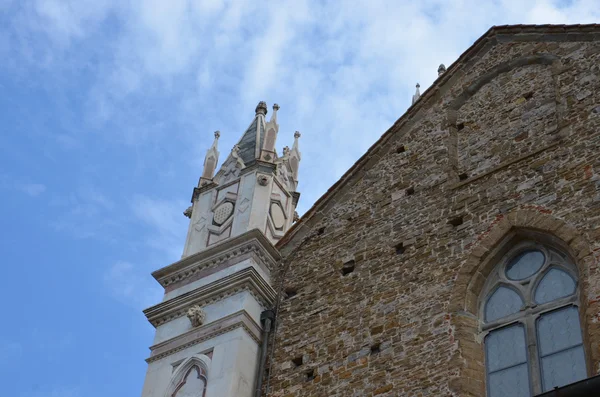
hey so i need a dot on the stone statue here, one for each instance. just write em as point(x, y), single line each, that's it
point(235, 153)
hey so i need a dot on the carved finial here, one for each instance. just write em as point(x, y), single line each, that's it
point(261, 108)
point(211, 160)
point(274, 115)
point(286, 151)
point(415, 97)
point(296, 217)
point(441, 69)
point(294, 157)
point(196, 315)
point(296, 136)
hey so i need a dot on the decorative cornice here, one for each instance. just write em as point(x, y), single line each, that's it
point(252, 241)
point(247, 279)
point(198, 335)
point(199, 190)
point(295, 198)
point(261, 166)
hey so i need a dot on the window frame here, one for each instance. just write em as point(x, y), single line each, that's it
point(530, 311)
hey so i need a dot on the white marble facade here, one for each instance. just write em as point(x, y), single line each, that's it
point(208, 328)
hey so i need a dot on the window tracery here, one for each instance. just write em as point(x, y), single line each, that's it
point(530, 322)
point(190, 378)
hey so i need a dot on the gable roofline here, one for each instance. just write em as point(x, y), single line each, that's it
point(494, 35)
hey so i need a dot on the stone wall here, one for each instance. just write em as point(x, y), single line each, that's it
point(387, 269)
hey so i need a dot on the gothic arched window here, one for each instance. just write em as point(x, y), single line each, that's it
point(530, 318)
point(190, 378)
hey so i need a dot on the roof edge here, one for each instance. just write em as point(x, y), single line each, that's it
point(488, 37)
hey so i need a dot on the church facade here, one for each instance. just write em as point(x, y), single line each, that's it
point(460, 256)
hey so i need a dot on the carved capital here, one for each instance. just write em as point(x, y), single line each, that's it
point(196, 315)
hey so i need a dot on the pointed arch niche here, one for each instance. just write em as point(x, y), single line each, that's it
point(190, 378)
point(478, 283)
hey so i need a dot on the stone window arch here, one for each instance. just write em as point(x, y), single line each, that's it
point(530, 322)
point(190, 379)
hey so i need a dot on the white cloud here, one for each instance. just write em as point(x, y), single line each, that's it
point(66, 20)
point(342, 72)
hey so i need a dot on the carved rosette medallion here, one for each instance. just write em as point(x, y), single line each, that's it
point(222, 213)
point(196, 315)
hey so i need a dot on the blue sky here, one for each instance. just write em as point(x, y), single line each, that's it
point(107, 108)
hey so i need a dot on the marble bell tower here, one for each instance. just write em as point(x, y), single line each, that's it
point(209, 328)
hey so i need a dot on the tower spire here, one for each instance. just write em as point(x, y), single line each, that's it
point(272, 128)
point(214, 295)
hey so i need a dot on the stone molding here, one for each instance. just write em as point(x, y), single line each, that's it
point(240, 319)
point(199, 190)
point(247, 279)
point(295, 198)
point(477, 265)
point(252, 241)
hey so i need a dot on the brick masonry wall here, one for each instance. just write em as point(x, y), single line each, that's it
point(509, 140)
